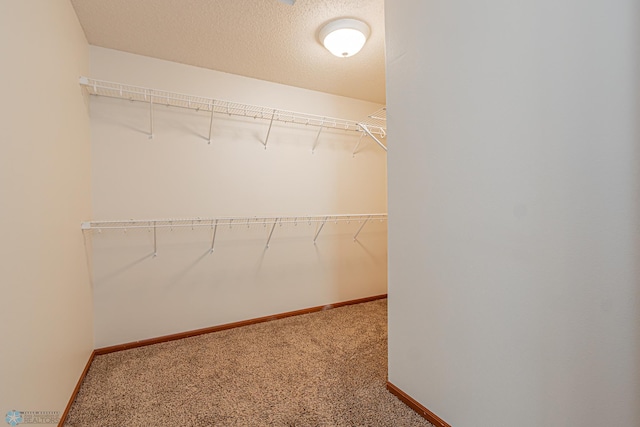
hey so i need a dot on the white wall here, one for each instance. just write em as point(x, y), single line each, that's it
point(514, 229)
point(46, 315)
point(177, 174)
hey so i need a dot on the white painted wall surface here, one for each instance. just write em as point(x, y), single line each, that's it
point(46, 315)
point(514, 229)
point(177, 174)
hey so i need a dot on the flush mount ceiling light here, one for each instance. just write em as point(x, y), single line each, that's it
point(344, 37)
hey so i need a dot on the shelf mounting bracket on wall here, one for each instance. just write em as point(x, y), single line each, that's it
point(320, 229)
point(374, 126)
point(155, 240)
point(315, 143)
point(213, 239)
point(366, 130)
point(357, 145)
point(355, 237)
point(271, 232)
point(210, 122)
point(150, 116)
point(266, 139)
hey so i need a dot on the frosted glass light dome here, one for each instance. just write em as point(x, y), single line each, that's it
point(344, 37)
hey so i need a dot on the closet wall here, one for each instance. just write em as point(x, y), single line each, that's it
point(46, 315)
point(177, 174)
point(521, 285)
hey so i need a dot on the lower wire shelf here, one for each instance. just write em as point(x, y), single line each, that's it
point(215, 222)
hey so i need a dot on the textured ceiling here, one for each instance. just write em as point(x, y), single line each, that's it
point(263, 39)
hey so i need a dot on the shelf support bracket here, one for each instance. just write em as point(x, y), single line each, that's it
point(273, 227)
point(210, 124)
point(155, 245)
point(320, 229)
point(213, 239)
point(266, 139)
point(315, 144)
point(355, 237)
point(358, 144)
point(150, 116)
point(368, 132)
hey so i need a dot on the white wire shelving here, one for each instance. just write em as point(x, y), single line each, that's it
point(214, 222)
point(373, 128)
point(370, 126)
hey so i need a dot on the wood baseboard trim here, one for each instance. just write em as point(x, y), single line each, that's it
point(416, 406)
point(74, 394)
point(181, 335)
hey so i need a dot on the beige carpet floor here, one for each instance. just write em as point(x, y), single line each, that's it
point(322, 369)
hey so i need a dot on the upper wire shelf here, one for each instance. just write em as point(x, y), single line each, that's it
point(215, 106)
point(377, 119)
